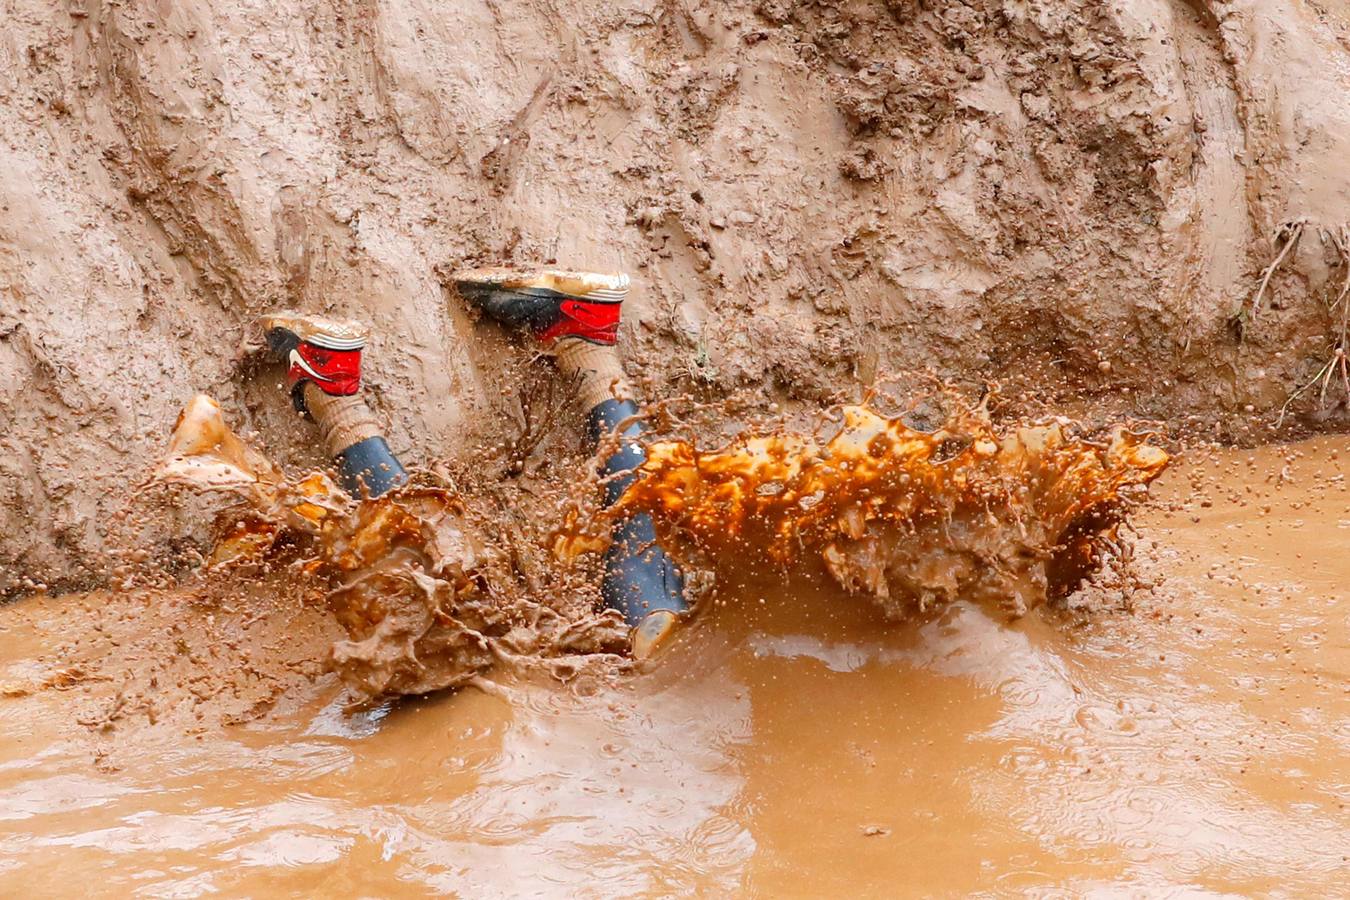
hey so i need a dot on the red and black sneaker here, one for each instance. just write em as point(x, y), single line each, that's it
point(552, 303)
point(324, 351)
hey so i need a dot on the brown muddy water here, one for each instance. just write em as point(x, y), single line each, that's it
point(1198, 744)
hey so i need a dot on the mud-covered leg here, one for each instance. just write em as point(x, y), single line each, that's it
point(324, 376)
point(641, 581)
point(576, 314)
point(353, 438)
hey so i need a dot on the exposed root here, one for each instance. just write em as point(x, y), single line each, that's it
point(542, 405)
point(500, 163)
point(1339, 307)
point(1289, 233)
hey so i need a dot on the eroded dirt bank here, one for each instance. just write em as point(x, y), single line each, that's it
point(1188, 736)
point(1073, 197)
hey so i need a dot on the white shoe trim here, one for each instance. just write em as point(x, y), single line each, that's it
point(328, 342)
point(297, 360)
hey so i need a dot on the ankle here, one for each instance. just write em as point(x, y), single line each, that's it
point(343, 421)
point(596, 369)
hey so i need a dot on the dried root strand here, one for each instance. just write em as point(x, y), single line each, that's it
point(1289, 233)
point(1336, 366)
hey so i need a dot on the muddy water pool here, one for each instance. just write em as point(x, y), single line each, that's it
point(789, 745)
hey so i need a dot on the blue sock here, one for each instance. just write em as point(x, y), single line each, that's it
point(370, 462)
point(639, 576)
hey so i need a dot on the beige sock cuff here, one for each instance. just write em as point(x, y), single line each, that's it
point(342, 420)
point(597, 369)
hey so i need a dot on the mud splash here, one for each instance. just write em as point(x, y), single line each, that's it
point(426, 601)
point(911, 519)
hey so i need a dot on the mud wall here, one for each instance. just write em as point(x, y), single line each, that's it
point(1073, 198)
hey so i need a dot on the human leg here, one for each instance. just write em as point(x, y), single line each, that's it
point(576, 314)
point(640, 579)
point(324, 377)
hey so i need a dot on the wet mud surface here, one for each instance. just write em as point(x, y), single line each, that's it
point(1115, 209)
point(427, 597)
point(1186, 732)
